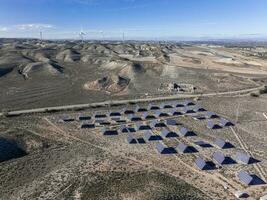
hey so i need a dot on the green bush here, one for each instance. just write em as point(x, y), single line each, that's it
point(254, 94)
point(263, 90)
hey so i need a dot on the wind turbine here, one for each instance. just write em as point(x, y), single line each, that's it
point(103, 35)
point(82, 34)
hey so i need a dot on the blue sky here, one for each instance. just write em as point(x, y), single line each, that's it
point(149, 19)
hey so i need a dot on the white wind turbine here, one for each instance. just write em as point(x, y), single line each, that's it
point(82, 34)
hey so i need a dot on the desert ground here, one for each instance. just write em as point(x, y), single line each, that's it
point(44, 157)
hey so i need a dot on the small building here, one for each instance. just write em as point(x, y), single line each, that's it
point(183, 148)
point(225, 123)
point(184, 132)
point(131, 140)
point(157, 124)
point(159, 113)
point(241, 194)
point(220, 143)
point(127, 111)
point(174, 112)
point(199, 108)
point(142, 127)
point(140, 109)
point(84, 118)
point(244, 158)
point(221, 159)
point(187, 110)
point(171, 122)
point(147, 116)
point(167, 134)
point(203, 144)
point(210, 115)
point(188, 103)
point(201, 164)
point(163, 149)
point(165, 106)
point(149, 136)
point(109, 132)
point(153, 107)
point(115, 114)
point(134, 118)
point(212, 125)
point(87, 126)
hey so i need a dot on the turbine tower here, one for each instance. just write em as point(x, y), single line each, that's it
point(41, 35)
point(123, 36)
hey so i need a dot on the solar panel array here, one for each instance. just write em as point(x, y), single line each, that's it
point(161, 117)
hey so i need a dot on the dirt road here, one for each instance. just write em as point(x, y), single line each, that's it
point(106, 103)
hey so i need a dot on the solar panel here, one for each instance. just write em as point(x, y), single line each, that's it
point(142, 127)
point(244, 177)
point(225, 123)
point(184, 132)
point(148, 116)
point(163, 149)
point(153, 107)
point(222, 144)
point(212, 125)
point(84, 118)
point(108, 132)
point(149, 136)
point(243, 158)
point(174, 112)
point(168, 134)
point(157, 124)
point(131, 140)
point(210, 115)
point(171, 122)
point(85, 126)
point(159, 113)
point(140, 109)
point(183, 148)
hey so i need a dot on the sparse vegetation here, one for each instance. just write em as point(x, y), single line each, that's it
point(254, 94)
point(263, 90)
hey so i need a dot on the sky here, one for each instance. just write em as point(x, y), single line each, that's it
point(137, 19)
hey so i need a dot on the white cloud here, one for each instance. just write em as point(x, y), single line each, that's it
point(37, 26)
point(3, 29)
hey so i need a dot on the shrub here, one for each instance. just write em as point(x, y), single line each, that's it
point(254, 94)
point(263, 90)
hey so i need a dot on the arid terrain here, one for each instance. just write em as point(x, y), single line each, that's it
point(40, 74)
point(44, 157)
